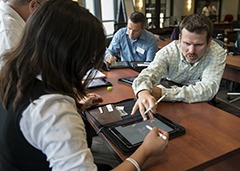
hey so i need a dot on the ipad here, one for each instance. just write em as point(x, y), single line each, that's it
point(98, 82)
point(141, 64)
point(134, 134)
point(127, 80)
point(120, 64)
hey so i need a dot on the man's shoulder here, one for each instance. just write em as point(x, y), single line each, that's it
point(9, 16)
point(172, 44)
point(148, 33)
point(216, 45)
point(172, 48)
point(121, 31)
point(215, 50)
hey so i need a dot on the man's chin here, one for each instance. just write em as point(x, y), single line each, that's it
point(192, 60)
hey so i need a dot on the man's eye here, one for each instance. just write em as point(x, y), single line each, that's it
point(199, 45)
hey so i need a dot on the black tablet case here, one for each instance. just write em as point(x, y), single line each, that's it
point(127, 80)
point(129, 64)
point(165, 82)
point(107, 120)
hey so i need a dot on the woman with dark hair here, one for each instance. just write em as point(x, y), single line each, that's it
point(42, 92)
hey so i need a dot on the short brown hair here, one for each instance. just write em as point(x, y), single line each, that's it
point(138, 17)
point(197, 23)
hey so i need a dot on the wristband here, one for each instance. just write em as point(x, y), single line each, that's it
point(131, 160)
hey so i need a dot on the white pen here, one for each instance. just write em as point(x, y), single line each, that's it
point(160, 134)
point(160, 99)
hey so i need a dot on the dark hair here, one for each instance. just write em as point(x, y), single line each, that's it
point(138, 17)
point(61, 42)
point(197, 23)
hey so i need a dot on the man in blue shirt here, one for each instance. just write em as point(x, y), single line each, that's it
point(132, 43)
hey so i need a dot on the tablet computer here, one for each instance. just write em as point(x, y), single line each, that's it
point(120, 64)
point(132, 135)
point(127, 80)
point(98, 82)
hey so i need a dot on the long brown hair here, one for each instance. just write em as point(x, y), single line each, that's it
point(61, 42)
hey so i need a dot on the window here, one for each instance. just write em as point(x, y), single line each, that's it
point(89, 4)
point(108, 19)
point(104, 10)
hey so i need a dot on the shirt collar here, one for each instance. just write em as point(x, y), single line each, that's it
point(6, 9)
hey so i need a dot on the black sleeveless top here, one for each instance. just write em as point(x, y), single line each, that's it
point(15, 152)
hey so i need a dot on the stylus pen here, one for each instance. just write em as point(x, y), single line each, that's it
point(160, 99)
point(160, 134)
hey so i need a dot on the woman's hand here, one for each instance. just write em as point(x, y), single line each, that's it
point(90, 100)
point(153, 144)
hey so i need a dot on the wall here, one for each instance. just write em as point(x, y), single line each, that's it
point(230, 7)
point(178, 9)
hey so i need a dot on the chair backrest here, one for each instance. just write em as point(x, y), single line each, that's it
point(175, 34)
point(228, 18)
point(108, 41)
point(117, 26)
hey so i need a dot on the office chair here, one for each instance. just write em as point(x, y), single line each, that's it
point(228, 18)
point(175, 34)
point(117, 26)
point(108, 40)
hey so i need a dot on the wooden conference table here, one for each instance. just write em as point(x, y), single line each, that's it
point(212, 135)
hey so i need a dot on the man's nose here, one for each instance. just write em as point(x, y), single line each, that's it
point(130, 32)
point(191, 49)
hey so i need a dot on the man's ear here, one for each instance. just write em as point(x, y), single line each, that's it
point(209, 41)
point(32, 5)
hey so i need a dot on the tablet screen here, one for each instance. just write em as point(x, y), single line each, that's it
point(98, 82)
point(136, 133)
point(120, 64)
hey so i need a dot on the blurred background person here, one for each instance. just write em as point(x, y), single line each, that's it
point(132, 43)
point(209, 10)
point(13, 15)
